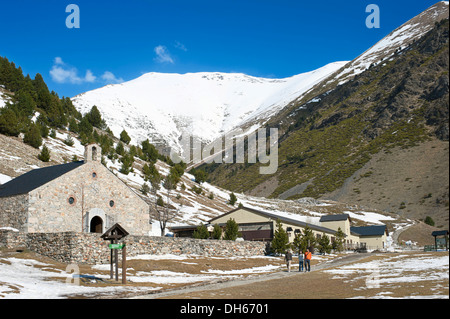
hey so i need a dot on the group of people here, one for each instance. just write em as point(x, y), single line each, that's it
point(303, 259)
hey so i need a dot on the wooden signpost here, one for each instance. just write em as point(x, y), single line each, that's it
point(114, 234)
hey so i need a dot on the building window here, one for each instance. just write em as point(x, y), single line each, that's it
point(71, 200)
point(111, 203)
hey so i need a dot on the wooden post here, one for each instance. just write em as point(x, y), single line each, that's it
point(124, 264)
point(116, 260)
point(111, 258)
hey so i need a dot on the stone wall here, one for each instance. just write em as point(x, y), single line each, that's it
point(73, 247)
point(95, 191)
point(13, 212)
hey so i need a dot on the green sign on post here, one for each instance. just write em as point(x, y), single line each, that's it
point(116, 246)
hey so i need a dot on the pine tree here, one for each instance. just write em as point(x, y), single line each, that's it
point(9, 122)
point(45, 154)
point(151, 173)
point(200, 175)
point(307, 240)
point(95, 118)
point(124, 137)
point(33, 137)
point(297, 242)
point(280, 241)
point(24, 103)
point(145, 189)
point(127, 164)
point(201, 232)
point(69, 140)
point(231, 230)
point(120, 149)
point(324, 244)
point(232, 200)
point(217, 232)
point(149, 151)
point(338, 244)
point(429, 221)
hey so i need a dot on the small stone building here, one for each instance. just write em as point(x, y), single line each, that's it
point(82, 196)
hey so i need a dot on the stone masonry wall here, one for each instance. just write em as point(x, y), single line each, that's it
point(89, 248)
point(13, 212)
point(93, 187)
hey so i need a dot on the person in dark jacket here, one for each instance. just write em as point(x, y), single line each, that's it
point(288, 259)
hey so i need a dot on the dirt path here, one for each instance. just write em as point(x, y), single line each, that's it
point(210, 290)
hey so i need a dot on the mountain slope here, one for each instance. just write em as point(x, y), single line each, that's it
point(400, 38)
point(326, 138)
point(163, 106)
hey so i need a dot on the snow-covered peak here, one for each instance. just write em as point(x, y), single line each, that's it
point(398, 39)
point(162, 106)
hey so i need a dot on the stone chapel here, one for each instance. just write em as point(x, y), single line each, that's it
point(82, 196)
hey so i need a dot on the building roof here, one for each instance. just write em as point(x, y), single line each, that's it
point(334, 218)
point(440, 233)
point(25, 183)
point(376, 230)
point(282, 218)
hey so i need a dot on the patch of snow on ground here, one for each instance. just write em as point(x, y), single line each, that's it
point(386, 272)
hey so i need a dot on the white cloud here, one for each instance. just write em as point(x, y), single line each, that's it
point(109, 77)
point(63, 73)
point(163, 55)
point(90, 77)
point(58, 60)
point(180, 46)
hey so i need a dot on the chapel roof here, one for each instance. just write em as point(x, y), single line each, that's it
point(31, 180)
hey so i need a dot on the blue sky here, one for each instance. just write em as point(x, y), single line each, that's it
point(121, 40)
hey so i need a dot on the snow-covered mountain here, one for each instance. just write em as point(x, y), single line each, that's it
point(162, 106)
point(397, 40)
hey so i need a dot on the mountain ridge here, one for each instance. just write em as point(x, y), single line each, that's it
point(326, 137)
point(162, 106)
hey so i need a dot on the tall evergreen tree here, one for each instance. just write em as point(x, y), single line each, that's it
point(324, 244)
point(280, 241)
point(9, 122)
point(217, 232)
point(232, 200)
point(33, 136)
point(339, 240)
point(231, 230)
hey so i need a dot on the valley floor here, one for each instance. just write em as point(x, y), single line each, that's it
point(25, 275)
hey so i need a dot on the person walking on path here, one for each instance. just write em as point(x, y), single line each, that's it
point(288, 259)
point(300, 261)
point(308, 256)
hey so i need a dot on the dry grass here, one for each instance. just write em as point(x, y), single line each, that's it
point(321, 284)
point(324, 285)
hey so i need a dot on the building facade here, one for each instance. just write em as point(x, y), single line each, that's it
point(82, 196)
point(260, 225)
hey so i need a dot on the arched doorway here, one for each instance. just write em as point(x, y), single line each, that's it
point(96, 225)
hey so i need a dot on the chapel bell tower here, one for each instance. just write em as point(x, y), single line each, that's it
point(92, 153)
